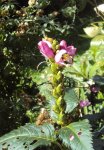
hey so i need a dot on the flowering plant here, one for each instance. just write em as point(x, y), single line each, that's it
point(59, 55)
point(59, 127)
point(64, 100)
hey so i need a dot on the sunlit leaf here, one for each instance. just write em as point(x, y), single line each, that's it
point(71, 100)
point(92, 31)
point(98, 41)
point(77, 135)
point(29, 137)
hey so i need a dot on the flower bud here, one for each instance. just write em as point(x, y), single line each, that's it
point(54, 68)
point(55, 93)
point(59, 88)
point(84, 103)
point(55, 108)
point(45, 49)
point(55, 42)
point(54, 81)
point(57, 47)
point(50, 40)
point(59, 75)
point(59, 101)
point(61, 117)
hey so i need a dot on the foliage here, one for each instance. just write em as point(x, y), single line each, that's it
point(31, 136)
point(24, 76)
point(71, 100)
point(88, 72)
point(80, 133)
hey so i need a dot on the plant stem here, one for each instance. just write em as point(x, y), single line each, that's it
point(58, 144)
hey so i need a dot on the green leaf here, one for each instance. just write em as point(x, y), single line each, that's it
point(74, 71)
point(71, 100)
point(92, 31)
point(96, 69)
point(98, 41)
point(80, 131)
point(69, 11)
point(43, 80)
point(46, 92)
point(29, 137)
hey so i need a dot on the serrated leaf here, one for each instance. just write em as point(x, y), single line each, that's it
point(75, 70)
point(46, 90)
point(77, 135)
point(29, 137)
point(43, 80)
point(71, 100)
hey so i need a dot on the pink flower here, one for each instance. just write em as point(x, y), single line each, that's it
point(45, 49)
point(84, 103)
point(65, 55)
point(63, 58)
point(48, 43)
point(63, 44)
point(71, 50)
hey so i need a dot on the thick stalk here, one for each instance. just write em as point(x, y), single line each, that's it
point(58, 93)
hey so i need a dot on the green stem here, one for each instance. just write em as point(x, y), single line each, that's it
point(58, 144)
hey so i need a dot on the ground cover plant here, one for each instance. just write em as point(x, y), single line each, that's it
point(51, 75)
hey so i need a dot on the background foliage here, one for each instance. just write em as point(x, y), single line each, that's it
point(23, 24)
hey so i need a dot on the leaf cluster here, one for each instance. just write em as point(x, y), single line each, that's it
point(31, 136)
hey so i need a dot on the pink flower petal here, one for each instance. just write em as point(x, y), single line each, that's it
point(63, 61)
point(45, 49)
point(63, 44)
point(84, 103)
point(71, 50)
point(48, 43)
point(58, 57)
